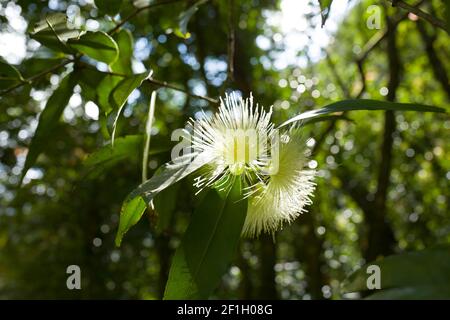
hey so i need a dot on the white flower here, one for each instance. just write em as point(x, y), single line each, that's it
point(238, 138)
point(242, 141)
point(286, 193)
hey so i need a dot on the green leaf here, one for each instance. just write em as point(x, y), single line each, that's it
point(53, 32)
point(124, 40)
point(208, 245)
point(165, 207)
point(89, 79)
point(55, 19)
point(126, 148)
point(104, 89)
point(9, 75)
point(414, 275)
point(185, 17)
point(132, 211)
point(167, 175)
point(325, 6)
point(170, 173)
point(362, 104)
point(110, 7)
point(48, 120)
point(96, 45)
point(119, 97)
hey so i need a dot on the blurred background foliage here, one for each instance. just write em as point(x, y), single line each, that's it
point(383, 184)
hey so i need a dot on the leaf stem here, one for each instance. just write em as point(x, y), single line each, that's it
point(148, 133)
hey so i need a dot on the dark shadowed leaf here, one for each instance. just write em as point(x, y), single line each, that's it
point(96, 45)
point(165, 207)
point(362, 104)
point(89, 80)
point(9, 75)
point(126, 148)
point(48, 120)
point(110, 7)
point(414, 275)
point(208, 244)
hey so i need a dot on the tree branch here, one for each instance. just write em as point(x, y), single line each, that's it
point(37, 76)
point(436, 64)
point(139, 10)
point(421, 14)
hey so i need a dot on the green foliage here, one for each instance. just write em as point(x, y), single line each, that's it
point(125, 149)
point(97, 45)
point(53, 32)
point(361, 104)
point(109, 7)
point(119, 96)
point(208, 244)
point(131, 213)
point(73, 196)
point(49, 119)
point(124, 40)
point(423, 274)
point(167, 175)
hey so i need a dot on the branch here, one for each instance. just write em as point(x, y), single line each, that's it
point(436, 63)
point(139, 10)
point(165, 84)
point(38, 75)
point(421, 14)
point(173, 87)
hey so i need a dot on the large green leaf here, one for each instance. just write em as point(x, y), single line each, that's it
point(9, 75)
point(414, 275)
point(362, 104)
point(48, 119)
point(208, 244)
point(119, 96)
point(167, 175)
point(124, 40)
point(96, 45)
point(110, 7)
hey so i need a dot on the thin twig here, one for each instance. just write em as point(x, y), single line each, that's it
point(36, 76)
point(421, 14)
point(139, 10)
point(173, 87)
point(161, 83)
point(65, 62)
